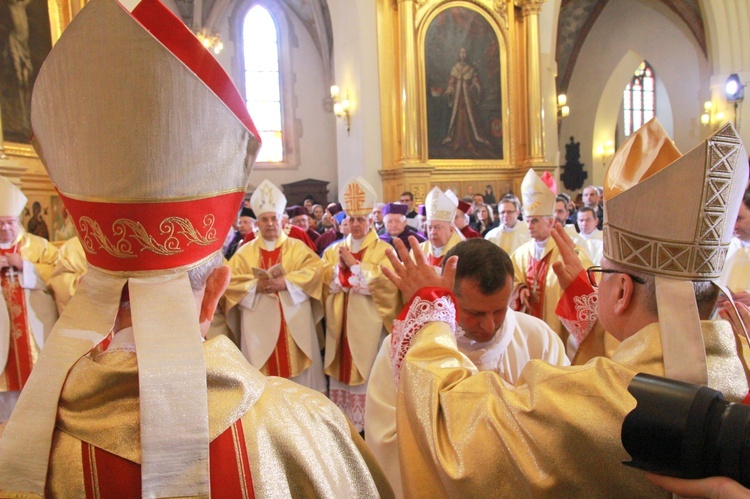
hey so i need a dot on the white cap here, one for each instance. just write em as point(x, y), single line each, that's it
point(267, 198)
point(440, 206)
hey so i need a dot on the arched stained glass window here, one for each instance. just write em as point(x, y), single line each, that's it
point(262, 81)
point(639, 99)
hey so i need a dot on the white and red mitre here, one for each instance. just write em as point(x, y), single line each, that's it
point(12, 200)
point(149, 145)
point(440, 206)
point(267, 198)
point(357, 197)
point(649, 176)
point(538, 199)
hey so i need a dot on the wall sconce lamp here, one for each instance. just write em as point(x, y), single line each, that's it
point(605, 151)
point(340, 106)
point(735, 92)
point(711, 117)
point(212, 41)
point(563, 110)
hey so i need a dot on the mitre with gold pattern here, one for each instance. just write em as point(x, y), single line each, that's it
point(538, 198)
point(439, 206)
point(357, 197)
point(268, 198)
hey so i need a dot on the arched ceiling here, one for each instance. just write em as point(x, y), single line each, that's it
point(578, 16)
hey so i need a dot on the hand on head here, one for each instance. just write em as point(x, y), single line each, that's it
point(717, 487)
point(412, 275)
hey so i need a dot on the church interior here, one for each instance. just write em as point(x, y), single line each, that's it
point(547, 87)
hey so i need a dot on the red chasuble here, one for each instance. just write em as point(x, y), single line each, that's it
point(346, 366)
point(106, 475)
point(21, 344)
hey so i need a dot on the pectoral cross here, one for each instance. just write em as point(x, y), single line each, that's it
point(535, 289)
point(12, 274)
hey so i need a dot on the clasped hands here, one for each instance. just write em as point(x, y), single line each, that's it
point(11, 260)
point(271, 285)
point(410, 276)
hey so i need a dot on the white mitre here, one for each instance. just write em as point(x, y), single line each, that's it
point(267, 198)
point(538, 198)
point(440, 206)
point(12, 200)
point(357, 197)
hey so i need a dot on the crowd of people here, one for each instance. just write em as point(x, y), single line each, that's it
point(199, 350)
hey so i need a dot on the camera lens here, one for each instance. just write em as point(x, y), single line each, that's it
point(685, 430)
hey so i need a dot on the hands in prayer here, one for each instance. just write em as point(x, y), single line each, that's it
point(346, 259)
point(570, 267)
point(270, 286)
point(412, 275)
point(11, 260)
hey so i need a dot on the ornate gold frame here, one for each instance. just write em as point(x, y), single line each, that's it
point(61, 12)
point(498, 22)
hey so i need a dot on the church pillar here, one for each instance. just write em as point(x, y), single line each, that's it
point(535, 150)
point(408, 83)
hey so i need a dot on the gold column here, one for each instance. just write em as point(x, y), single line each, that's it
point(535, 152)
point(409, 121)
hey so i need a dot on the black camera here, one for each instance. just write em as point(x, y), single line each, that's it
point(686, 431)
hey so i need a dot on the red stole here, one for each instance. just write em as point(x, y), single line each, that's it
point(279, 363)
point(107, 475)
point(22, 344)
point(436, 261)
point(536, 280)
point(345, 354)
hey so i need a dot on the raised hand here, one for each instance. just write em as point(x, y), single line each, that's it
point(412, 275)
point(570, 267)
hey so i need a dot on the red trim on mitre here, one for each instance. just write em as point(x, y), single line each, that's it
point(166, 27)
point(152, 236)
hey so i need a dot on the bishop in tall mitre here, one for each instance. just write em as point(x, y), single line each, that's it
point(442, 235)
point(274, 299)
point(536, 286)
point(360, 305)
point(27, 311)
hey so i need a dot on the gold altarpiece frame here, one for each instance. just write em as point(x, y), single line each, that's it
point(417, 135)
point(20, 163)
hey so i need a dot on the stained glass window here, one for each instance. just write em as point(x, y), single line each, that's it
point(639, 99)
point(262, 82)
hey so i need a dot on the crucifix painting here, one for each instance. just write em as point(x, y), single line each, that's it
point(462, 74)
point(25, 41)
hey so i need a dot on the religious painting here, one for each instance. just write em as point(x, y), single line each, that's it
point(36, 216)
point(25, 41)
point(463, 87)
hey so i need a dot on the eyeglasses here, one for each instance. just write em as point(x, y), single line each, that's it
point(592, 271)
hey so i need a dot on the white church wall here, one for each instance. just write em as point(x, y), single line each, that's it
point(651, 31)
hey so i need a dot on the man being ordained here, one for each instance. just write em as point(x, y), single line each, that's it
point(512, 232)
point(275, 314)
point(495, 338)
point(27, 310)
point(442, 235)
point(159, 413)
point(536, 286)
point(360, 305)
point(557, 431)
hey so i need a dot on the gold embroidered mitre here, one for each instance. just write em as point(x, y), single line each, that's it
point(538, 199)
point(268, 198)
point(673, 215)
point(12, 200)
point(357, 197)
point(149, 145)
point(440, 206)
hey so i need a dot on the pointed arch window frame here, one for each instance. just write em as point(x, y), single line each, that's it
point(639, 98)
point(284, 40)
